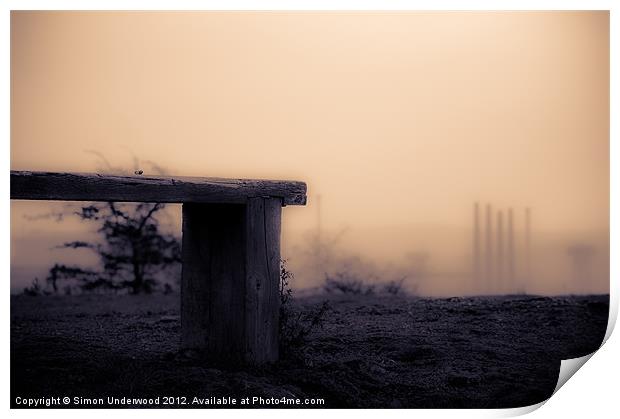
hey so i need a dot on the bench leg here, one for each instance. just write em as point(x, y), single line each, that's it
point(230, 278)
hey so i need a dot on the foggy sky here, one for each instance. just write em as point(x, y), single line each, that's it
point(400, 121)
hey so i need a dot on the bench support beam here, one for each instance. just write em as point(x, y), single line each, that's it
point(230, 280)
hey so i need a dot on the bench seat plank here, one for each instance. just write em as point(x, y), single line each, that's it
point(96, 187)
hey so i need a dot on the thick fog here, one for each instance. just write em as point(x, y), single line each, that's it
point(399, 123)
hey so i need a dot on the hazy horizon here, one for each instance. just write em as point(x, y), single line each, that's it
point(400, 121)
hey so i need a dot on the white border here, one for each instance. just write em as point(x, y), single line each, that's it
point(592, 392)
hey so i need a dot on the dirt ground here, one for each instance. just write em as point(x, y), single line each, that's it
point(375, 352)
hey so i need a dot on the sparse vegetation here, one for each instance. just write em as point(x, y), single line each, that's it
point(351, 284)
point(395, 286)
point(131, 252)
point(295, 324)
point(34, 289)
point(347, 283)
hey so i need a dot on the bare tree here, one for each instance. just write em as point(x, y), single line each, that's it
point(132, 250)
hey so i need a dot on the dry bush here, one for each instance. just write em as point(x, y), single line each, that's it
point(296, 324)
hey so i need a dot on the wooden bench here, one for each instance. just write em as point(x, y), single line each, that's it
point(231, 250)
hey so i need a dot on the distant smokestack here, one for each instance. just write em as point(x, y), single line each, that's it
point(476, 255)
point(489, 248)
point(528, 267)
point(319, 246)
point(511, 251)
point(500, 252)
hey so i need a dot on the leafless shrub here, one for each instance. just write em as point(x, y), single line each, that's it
point(34, 289)
point(131, 249)
point(395, 286)
point(346, 283)
point(296, 324)
point(352, 284)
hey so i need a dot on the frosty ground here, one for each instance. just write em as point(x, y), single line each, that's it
point(372, 351)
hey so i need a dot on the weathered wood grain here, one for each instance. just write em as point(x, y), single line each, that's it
point(230, 276)
point(95, 187)
point(213, 280)
point(262, 279)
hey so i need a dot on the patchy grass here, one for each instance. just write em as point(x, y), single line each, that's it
point(372, 351)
